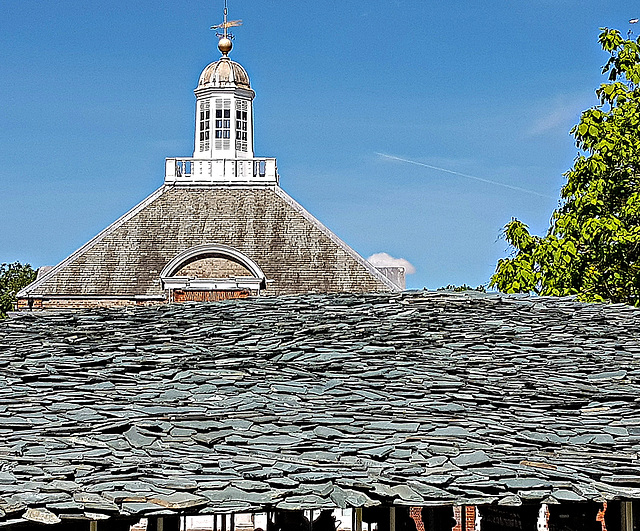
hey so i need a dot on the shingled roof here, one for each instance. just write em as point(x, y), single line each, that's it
point(318, 401)
point(297, 253)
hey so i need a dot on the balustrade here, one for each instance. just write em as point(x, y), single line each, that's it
point(218, 171)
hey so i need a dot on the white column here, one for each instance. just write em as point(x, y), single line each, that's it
point(392, 519)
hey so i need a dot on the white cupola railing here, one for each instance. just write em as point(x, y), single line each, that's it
point(192, 171)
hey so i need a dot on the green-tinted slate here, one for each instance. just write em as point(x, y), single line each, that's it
point(276, 402)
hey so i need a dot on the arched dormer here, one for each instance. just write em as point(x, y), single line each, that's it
point(200, 272)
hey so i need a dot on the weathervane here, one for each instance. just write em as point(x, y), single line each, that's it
point(224, 44)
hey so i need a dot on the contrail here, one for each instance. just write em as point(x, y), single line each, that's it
point(489, 181)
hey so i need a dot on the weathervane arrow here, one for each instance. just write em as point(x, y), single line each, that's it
point(229, 24)
point(226, 24)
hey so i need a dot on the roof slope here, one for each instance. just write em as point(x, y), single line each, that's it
point(316, 401)
point(295, 251)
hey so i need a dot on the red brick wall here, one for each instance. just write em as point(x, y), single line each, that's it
point(180, 295)
point(457, 514)
point(416, 514)
point(470, 517)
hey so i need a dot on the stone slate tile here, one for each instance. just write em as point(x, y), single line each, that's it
point(567, 495)
point(293, 503)
point(178, 500)
point(41, 516)
point(92, 501)
point(11, 506)
point(320, 400)
point(476, 458)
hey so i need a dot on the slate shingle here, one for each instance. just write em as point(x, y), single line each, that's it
point(317, 401)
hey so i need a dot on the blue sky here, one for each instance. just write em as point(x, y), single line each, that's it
point(94, 95)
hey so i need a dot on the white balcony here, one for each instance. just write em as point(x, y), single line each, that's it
point(202, 172)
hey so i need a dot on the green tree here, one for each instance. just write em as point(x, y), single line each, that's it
point(592, 247)
point(13, 277)
point(464, 287)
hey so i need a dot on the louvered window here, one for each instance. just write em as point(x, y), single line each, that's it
point(241, 125)
point(204, 125)
point(223, 123)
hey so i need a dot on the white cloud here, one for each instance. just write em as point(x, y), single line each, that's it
point(386, 260)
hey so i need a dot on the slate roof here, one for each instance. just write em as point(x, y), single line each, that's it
point(318, 401)
point(297, 253)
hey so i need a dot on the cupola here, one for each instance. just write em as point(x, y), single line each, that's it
point(223, 144)
point(224, 107)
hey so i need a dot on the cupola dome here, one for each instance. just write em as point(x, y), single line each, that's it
point(224, 73)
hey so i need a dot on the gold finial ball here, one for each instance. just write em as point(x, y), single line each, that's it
point(225, 45)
